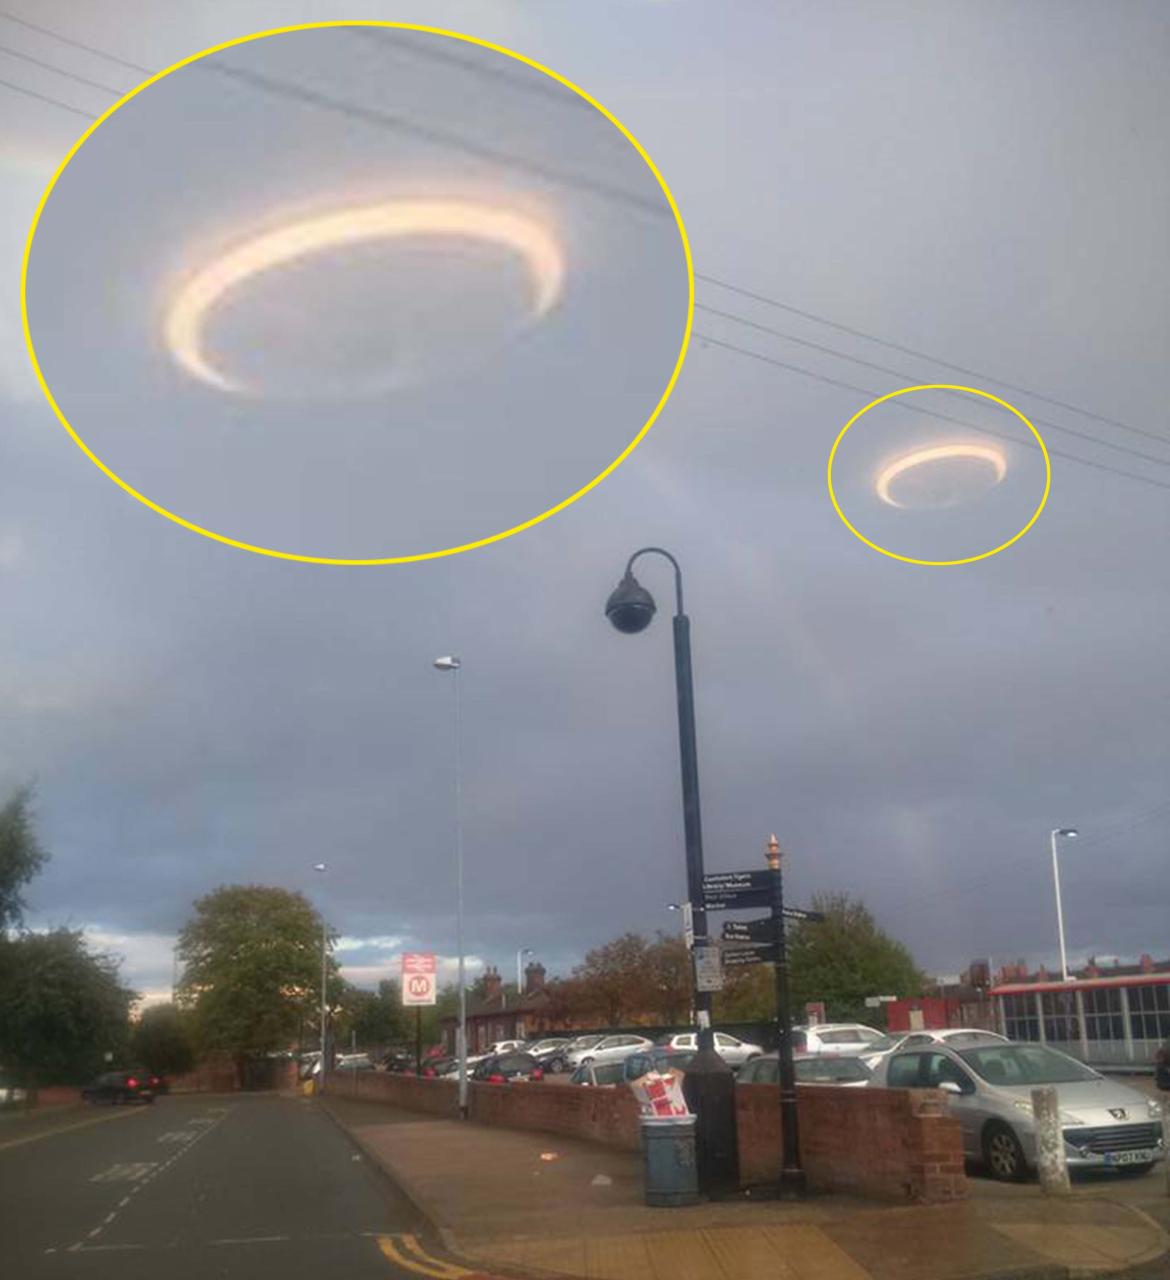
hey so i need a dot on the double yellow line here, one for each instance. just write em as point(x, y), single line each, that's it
point(405, 1251)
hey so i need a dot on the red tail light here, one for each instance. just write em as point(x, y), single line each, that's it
point(537, 1074)
point(429, 1072)
point(132, 1083)
point(496, 1078)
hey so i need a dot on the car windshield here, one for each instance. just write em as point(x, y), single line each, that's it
point(881, 1044)
point(1024, 1064)
point(609, 1072)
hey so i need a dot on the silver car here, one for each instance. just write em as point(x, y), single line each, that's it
point(607, 1049)
point(733, 1051)
point(989, 1087)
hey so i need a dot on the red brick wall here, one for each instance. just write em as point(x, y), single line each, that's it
point(891, 1144)
point(886, 1144)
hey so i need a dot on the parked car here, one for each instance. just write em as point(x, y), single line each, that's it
point(117, 1087)
point(956, 1037)
point(605, 1075)
point(837, 1037)
point(607, 1049)
point(11, 1094)
point(660, 1058)
point(989, 1087)
point(575, 1046)
point(506, 1068)
point(551, 1053)
point(732, 1050)
point(845, 1069)
point(1162, 1066)
point(505, 1046)
point(438, 1068)
point(357, 1062)
point(397, 1061)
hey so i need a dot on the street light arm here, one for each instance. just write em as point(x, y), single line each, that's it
point(659, 551)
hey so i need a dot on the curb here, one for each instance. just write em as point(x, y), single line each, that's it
point(422, 1205)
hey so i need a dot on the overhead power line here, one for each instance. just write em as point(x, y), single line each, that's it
point(924, 355)
point(900, 373)
point(44, 97)
point(76, 44)
point(59, 71)
point(865, 391)
point(429, 50)
point(441, 137)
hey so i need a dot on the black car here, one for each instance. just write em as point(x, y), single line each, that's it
point(550, 1053)
point(117, 1087)
point(502, 1068)
point(1162, 1066)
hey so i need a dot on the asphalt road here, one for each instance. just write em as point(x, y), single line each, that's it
point(201, 1187)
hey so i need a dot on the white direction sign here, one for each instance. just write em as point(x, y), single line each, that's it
point(708, 969)
point(419, 977)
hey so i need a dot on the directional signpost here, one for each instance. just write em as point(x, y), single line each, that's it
point(762, 941)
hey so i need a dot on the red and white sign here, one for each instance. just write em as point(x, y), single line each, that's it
point(419, 977)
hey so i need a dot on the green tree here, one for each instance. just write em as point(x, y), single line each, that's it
point(21, 854)
point(63, 1008)
point(668, 979)
point(161, 1041)
point(846, 958)
point(251, 960)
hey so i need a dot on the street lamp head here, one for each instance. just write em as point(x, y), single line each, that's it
point(630, 606)
point(1069, 833)
point(449, 663)
point(318, 866)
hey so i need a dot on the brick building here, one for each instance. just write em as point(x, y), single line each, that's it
point(500, 1015)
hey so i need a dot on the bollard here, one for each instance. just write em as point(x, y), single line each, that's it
point(1050, 1160)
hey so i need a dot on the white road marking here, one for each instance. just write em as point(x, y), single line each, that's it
point(125, 1172)
point(250, 1240)
point(140, 1174)
point(178, 1135)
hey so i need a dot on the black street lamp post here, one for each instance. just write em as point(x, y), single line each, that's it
point(709, 1084)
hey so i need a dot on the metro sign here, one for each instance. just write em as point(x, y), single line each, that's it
point(419, 977)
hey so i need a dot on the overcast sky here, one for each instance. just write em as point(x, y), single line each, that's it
point(987, 183)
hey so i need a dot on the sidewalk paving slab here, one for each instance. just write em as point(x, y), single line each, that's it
point(517, 1199)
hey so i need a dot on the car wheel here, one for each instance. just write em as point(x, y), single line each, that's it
point(1003, 1157)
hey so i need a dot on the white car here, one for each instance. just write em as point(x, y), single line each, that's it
point(503, 1046)
point(955, 1037)
point(838, 1037)
point(607, 1049)
point(734, 1052)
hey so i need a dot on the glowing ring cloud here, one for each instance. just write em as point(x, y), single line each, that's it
point(187, 317)
point(937, 453)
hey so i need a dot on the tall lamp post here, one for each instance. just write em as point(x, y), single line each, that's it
point(320, 866)
point(521, 952)
point(1067, 833)
point(454, 665)
point(710, 1086)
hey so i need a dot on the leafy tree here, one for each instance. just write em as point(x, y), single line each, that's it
point(21, 854)
point(62, 1009)
point(748, 995)
point(847, 958)
point(611, 985)
point(252, 969)
point(668, 979)
point(161, 1041)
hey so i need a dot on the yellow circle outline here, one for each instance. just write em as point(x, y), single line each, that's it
point(941, 386)
point(422, 555)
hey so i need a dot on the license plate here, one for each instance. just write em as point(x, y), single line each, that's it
point(1130, 1157)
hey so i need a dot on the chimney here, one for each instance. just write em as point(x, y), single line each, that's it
point(533, 978)
point(1147, 963)
point(492, 982)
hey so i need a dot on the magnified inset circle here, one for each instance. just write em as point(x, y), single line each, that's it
point(938, 474)
point(357, 293)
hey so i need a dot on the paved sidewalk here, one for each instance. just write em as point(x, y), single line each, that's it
point(550, 1206)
